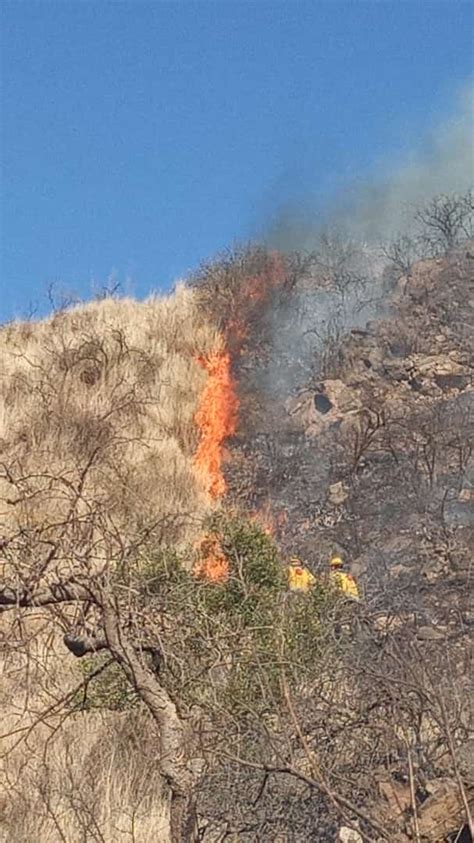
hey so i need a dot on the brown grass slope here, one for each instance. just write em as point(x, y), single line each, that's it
point(97, 405)
point(116, 375)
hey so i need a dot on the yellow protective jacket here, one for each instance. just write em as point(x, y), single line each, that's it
point(346, 583)
point(299, 578)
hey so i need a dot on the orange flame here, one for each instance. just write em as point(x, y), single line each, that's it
point(212, 564)
point(258, 288)
point(270, 522)
point(216, 418)
point(254, 295)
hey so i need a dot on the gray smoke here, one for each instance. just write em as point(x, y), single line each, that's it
point(446, 167)
point(382, 207)
point(348, 275)
point(345, 291)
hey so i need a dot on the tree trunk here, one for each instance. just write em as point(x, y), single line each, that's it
point(173, 753)
point(183, 818)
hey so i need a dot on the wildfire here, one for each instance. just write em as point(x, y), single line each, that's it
point(271, 522)
point(216, 418)
point(258, 288)
point(254, 296)
point(212, 563)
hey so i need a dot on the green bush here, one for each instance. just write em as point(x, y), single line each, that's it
point(109, 690)
point(256, 574)
point(219, 636)
point(164, 568)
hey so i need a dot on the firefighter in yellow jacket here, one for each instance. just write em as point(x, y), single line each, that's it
point(299, 577)
point(341, 579)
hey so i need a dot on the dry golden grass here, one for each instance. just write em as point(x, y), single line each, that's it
point(75, 777)
point(118, 376)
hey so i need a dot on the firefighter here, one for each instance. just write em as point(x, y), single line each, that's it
point(299, 577)
point(341, 579)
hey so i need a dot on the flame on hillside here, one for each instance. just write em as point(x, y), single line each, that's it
point(216, 418)
point(212, 563)
point(217, 413)
point(273, 275)
point(270, 522)
point(254, 295)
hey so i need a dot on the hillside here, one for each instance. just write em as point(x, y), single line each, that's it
point(371, 452)
point(115, 376)
point(97, 440)
point(160, 463)
point(367, 450)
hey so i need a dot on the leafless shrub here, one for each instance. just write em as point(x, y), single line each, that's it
point(445, 221)
point(402, 253)
point(437, 227)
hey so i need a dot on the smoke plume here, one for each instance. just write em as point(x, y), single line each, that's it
point(382, 206)
point(447, 166)
point(347, 262)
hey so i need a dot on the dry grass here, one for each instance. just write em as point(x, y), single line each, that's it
point(73, 777)
point(118, 375)
point(118, 378)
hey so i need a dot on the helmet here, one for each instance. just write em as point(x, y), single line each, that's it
point(336, 562)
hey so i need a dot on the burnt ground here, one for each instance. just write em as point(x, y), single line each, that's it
point(372, 455)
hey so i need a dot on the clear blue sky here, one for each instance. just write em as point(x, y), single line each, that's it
point(139, 138)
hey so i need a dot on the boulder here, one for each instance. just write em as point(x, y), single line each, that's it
point(337, 493)
point(348, 835)
point(442, 813)
point(429, 633)
point(342, 397)
point(396, 795)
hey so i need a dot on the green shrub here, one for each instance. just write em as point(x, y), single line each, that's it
point(160, 570)
point(109, 690)
point(219, 636)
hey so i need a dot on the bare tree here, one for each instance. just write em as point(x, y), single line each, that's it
point(402, 253)
point(445, 221)
point(74, 566)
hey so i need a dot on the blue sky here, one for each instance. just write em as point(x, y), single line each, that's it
point(138, 138)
